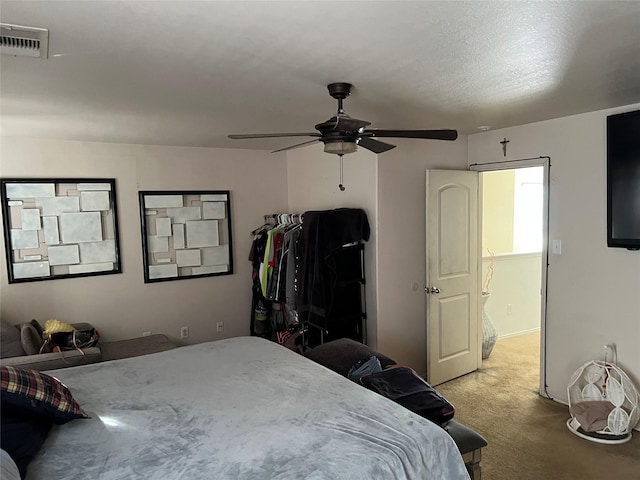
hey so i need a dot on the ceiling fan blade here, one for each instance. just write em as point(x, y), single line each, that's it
point(426, 134)
point(272, 135)
point(375, 146)
point(296, 146)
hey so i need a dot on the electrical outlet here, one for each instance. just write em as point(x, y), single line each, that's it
point(184, 332)
point(509, 309)
point(220, 327)
point(146, 334)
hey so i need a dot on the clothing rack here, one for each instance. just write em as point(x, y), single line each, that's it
point(284, 218)
point(310, 274)
point(275, 219)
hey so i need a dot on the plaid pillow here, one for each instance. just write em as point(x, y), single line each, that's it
point(33, 392)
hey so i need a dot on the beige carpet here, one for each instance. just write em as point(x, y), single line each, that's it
point(527, 435)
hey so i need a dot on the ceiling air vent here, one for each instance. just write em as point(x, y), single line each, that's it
point(22, 41)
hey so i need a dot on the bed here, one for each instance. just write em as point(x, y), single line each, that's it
point(239, 408)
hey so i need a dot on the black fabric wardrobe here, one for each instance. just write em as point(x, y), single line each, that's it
point(331, 278)
point(310, 279)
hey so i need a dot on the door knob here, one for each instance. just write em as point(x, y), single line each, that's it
point(432, 289)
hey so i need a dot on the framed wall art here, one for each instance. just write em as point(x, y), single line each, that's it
point(185, 234)
point(59, 228)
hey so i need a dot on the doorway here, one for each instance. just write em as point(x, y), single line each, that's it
point(514, 200)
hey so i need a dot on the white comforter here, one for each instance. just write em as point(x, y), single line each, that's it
point(240, 408)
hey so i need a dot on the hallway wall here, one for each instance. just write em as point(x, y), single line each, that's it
point(515, 303)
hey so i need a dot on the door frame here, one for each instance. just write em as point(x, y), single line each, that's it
point(545, 162)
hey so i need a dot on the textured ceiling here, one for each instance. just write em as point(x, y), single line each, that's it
point(189, 73)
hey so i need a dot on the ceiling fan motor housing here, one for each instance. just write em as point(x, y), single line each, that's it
point(337, 140)
point(339, 90)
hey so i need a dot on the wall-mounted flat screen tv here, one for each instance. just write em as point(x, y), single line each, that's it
point(623, 180)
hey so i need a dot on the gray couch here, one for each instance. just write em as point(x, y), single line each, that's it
point(19, 346)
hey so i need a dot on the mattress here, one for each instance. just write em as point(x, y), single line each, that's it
point(239, 408)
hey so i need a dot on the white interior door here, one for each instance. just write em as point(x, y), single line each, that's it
point(453, 334)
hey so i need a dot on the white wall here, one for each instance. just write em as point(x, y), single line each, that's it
point(313, 185)
point(593, 291)
point(122, 305)
point(514, 304)
point(402, 246)
point(497, 211)
point(391, 188)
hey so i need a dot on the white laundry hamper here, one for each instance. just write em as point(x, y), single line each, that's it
point(603, 403)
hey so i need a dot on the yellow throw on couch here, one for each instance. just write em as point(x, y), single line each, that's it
point(55, 326)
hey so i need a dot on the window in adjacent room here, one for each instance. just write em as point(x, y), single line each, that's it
point(527, 214)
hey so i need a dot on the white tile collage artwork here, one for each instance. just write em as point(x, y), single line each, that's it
point(183, 234)
point(59, 229)
point(69, 228)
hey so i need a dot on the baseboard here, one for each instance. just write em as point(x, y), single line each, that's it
point(517, 334)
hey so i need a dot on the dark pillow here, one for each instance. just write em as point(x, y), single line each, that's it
point(31, 340)
point(21, 437)
point(37, 394)
point(35, 324)
point(11, 342)
point(340, 355)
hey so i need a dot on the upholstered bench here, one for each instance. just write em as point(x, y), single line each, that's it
point(470, 444)
point(339, 355)
point(134, 347)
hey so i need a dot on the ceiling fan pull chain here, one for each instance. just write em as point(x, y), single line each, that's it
point(341, 186)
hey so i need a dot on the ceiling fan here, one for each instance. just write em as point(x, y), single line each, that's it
point(342, 134)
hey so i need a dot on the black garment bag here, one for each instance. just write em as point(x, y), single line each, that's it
point(405, 387)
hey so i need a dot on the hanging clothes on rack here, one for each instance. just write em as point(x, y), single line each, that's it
point(260, 309)
point(323, 233)
point(308, 270)
point(273, 244)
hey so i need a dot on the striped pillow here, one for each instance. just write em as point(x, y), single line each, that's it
point(32, 392)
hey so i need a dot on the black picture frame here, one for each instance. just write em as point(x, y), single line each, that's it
point(185, 234)
point(60, 228)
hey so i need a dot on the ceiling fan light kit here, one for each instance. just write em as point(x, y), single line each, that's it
point(340, 147)
point(342, 134)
